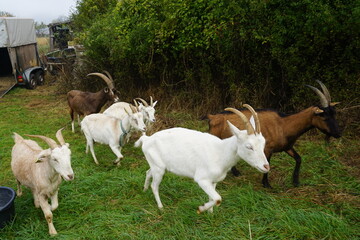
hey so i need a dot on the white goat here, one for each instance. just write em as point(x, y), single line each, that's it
point(112, 131)
point(201, 156)
point(41, 170)
point(119, 109)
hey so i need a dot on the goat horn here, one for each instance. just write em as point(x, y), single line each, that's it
point(325, 91)
point(133, 109)
point(143, 101)
point(323, 101)
point(52, 144)
point(151, 101)
point(60, 137)
point(256, 118)
point(105, 78)
point(108, 75)
point(136, 103)
point(248, 127)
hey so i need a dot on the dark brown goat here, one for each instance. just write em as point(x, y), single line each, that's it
point(281, 131)
point(85, 103)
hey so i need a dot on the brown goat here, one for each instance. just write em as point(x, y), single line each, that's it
point(281, 131)
point(85, 103)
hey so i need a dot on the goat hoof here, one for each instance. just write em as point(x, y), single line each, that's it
point(296, 184)
point(267, 186)
point(235, 172)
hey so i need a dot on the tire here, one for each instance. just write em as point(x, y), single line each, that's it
point(32, 83)
point(40, 79)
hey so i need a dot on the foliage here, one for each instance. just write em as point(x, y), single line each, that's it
point(6, 14)
point(260, 52)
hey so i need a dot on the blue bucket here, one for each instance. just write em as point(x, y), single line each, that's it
point(7, 207)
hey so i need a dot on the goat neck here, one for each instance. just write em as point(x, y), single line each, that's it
point(125, 124)
point(45, 169)
point(230, 157)
point(297, 124)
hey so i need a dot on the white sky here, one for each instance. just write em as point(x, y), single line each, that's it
point(40, 10)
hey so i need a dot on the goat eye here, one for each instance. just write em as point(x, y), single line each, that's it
point(249, 147)
point(55, 160)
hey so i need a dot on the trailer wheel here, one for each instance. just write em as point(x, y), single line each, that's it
point(39, 76)
point(31, 84)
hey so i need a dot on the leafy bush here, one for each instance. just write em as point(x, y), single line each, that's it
point(260, 52)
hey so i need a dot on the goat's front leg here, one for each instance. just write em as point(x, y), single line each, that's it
point(292, 153)
point(265, 179)
point(72, 120)
point(79, 119)
point(117, 151)
point(54, 200)
point(209, 188)
point(19, 190)
point(45, 206)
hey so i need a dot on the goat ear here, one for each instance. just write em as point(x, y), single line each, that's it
point(154, 104)
point(43, 155)
point(333, 104)
point(235, 131)
point(318, 110)
point(252, 122)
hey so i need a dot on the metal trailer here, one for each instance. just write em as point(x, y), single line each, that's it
point(20, 63)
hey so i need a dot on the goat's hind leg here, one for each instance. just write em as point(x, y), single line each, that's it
point(90, 143)
point(147, 180)
point(157, 175)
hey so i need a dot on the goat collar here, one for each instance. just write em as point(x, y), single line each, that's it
point(123, 135)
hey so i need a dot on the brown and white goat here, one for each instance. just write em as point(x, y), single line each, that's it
point(281, 131)
point(85, 103)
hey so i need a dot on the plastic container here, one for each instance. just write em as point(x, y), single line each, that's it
point(7, 207)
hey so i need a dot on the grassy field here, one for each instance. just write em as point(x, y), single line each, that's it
point(107, 202)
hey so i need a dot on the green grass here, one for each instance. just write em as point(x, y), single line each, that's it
point(107, 202)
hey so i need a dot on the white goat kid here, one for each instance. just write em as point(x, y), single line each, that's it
point(119, 109)
point(112, 131)
point(41, 170)
point(201, 156)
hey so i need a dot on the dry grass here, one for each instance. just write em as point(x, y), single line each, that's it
point(42, 41)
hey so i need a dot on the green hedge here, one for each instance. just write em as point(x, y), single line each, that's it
point(257, 51)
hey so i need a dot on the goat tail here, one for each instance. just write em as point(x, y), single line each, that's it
point(140, 141)
point(17, 137)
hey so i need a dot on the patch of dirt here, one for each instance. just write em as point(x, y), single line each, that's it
point(322, 194)
point(350, 156)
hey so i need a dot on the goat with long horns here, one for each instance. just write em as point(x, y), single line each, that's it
point(282, 130)
point(85, 103)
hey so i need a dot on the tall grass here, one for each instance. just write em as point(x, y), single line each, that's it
point(43, 45)
point(107, 202)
